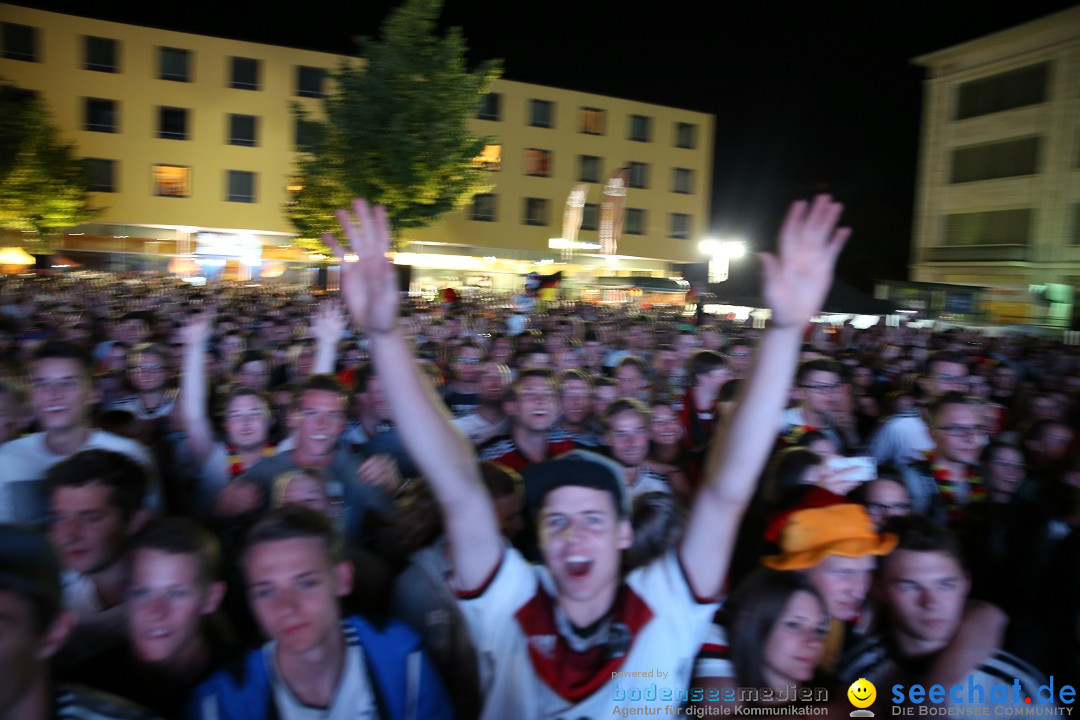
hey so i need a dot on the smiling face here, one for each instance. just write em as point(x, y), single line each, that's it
point(294, 591)
point(167, 601)
point(61, 394)
point(581, 537)
point(321, 415)
point(862, 693)
point(664, 427)
point(576, 401)
point(795, 642)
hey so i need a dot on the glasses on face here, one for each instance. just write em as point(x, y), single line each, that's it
point(467, 360)
point(821, 389)
point(883, 508)
point(739, 354)
point(956, 379)
point(148, 368)
point(963, 430)
point(1017, 466)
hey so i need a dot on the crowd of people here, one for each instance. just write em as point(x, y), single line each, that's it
point(252, 502)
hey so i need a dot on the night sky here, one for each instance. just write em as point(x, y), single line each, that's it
point(807, 96)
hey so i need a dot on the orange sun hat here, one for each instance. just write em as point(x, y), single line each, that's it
point(809, 536)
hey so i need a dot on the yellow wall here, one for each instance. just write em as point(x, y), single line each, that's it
point(59, 77)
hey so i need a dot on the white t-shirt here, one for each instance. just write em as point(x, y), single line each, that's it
point(353, 699)
point(901, 440)
point(479, 430)
point(24, 462)
point(514, 649)
point(648, 482)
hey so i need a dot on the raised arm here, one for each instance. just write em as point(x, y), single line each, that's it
point(193, 392)
point(796, 280)
point(369, 287)
point(327, 327)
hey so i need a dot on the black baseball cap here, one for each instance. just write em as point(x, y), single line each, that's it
point(580, 468)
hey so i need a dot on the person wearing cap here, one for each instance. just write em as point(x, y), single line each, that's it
point(33, 627)
point(573, 637)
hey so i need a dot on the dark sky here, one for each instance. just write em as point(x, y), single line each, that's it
point(807, 96)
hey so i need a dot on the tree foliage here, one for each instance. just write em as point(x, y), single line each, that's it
point(43, 187)
point(396, 129)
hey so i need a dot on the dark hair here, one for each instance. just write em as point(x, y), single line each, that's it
point(951, 398)
point(500, 480)
point(786, 472)
point(575, 374)
point(63, 350)
point(544, 373)
point(659, 523)
point(148, 349)
point(239, 391)
point(181, 536)
point(635, 361)
point(605, 381)
point(126, 479)
point(704, 361)
point(944, 356)
point(919, 533)
point(626, 405)
point(296, 521)
point(249, 356)
point(317, 383)
point(753, 611)
point(816, 365)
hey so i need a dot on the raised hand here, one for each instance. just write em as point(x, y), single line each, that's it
point(197, 328)
point(329, 322)
point(798, 277)
point(368, 282)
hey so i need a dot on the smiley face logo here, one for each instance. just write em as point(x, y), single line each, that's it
point(862, 693)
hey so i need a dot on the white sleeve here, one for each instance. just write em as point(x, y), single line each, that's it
point(489, 610)
point(663, 585)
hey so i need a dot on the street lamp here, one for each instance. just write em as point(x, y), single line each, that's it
point(720, 253)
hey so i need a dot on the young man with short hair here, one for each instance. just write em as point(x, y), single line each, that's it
point(33, 627)
point(95, 508)
point(62, 397)
point(627, 437)
point(533, 406)
point(316, 664)
point(556, 635)
point(460, 394)
point(923, 587)
point(489, 420)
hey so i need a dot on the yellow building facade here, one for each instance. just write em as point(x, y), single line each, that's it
point(190, 144)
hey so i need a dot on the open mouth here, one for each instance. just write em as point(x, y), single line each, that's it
point(157, 634)
point(577, 566)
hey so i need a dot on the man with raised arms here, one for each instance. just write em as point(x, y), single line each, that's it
point(552, 638)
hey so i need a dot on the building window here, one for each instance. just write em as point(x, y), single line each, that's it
point(593, 120)
point(639, 175)
point(172, 181)
point(993, 227)
point(1013, 89)
point(172, 123)
point(20, 42)
point(244, 74)
point(542, 113)
point(590, 216)
point(490, 158)
point(635, 221)
point(243, 130)
point(483, 207)
point(640, 128)
point(685, 135)
point(536, 211)
point(175, 64)
point(588, 168)
point(306, 135)
point(682, 181)
point(680, 226)
point(538, 162)
point(101, 115)
point(996, 160)
point(241, 186)
point(100, 174)
point(102, 54)
point(491, 107)
point(310, 81)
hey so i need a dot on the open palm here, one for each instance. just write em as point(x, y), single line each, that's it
point(368, 282)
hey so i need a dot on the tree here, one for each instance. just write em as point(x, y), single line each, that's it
point(396, 129)
point(43, 186)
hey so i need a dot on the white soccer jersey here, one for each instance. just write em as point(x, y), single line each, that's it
point(655, 634)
